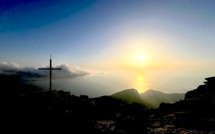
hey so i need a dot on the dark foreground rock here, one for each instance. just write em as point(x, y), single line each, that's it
point(60, 111)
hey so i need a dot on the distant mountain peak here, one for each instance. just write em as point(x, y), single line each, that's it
point(132, 90)
point(151, 90)
point(130, 96)
point(156, 97)
point(127, 92)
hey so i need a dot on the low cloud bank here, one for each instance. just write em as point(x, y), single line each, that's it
point(33, 72)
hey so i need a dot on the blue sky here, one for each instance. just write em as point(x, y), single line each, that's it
point(177, 36)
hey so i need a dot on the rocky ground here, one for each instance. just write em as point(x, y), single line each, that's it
point(175, 124)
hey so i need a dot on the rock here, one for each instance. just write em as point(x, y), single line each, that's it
point(105, 125)
point(156, 124)
point(169, 126)
point(118, 115)
point(169, 117)
point(159, 130)
point(185, 132)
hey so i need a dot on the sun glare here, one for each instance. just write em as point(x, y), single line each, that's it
point(140, 58)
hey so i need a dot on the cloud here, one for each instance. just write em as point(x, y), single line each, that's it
point(72, 71)
point(33, 72)
point(15, 69)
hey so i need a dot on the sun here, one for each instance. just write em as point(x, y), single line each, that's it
point(140, 58)
point(136, 60)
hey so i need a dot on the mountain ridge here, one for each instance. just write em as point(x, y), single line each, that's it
point(130, 96)
point(157, 97)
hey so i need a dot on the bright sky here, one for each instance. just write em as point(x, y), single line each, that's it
point(143, 44)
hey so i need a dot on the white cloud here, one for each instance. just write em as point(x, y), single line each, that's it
point(72, 71)
point(33, 72)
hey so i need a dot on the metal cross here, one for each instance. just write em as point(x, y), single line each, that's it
point(50, 71)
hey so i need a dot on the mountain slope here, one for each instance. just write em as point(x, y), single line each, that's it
point(130, 96)
point(157, 97)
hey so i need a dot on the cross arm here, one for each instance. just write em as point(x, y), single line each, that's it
point(49, 68)
point(43, 68)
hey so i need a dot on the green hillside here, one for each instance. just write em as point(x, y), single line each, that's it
point(131, 96)
point(157, 97)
